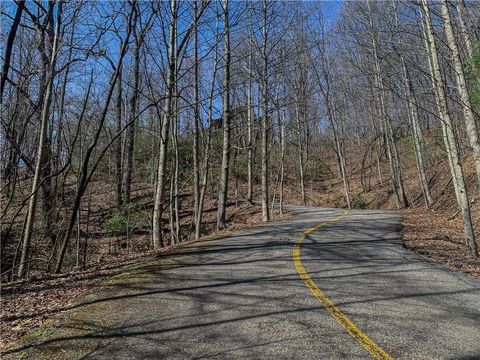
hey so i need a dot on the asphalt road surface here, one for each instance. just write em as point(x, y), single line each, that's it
point(361, 296)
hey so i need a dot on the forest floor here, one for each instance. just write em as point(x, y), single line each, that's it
point(439, 238)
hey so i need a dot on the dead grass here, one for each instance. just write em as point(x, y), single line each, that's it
point(437, 237)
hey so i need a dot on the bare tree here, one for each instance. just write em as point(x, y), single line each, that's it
point(8, 48)
point(86, 173)
point(167, 115)
point(469, 118)
point(196, 125)
point(391, 148)
point(223, 184)
point(42, 137)
point(265, 117)
point(448, 134)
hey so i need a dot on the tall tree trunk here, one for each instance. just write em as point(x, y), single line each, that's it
point(469, 118)
point(223, 185)
point(448, 134)
point(42, 137)
point(393, 158)
point(46, 162)
point(205, 171)
point(174, 198)
point(265, 125)
point(85, 174)
point(463, 27)
point(416, 131)
point(204, 184)
point(9, 46)
point(133, 108)
point(176, 168)
point(164, 132)
point(249, 131)
point(341, 158)
point(59, 188)
point(118, 144)
point(281, 121)
point(300, 154)
point(196, 120)
point(206, 164)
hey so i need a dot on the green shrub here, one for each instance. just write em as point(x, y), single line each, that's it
point(117, 224)
point(358, 202)
point(139, 220)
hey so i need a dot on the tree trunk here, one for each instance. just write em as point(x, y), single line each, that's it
point(46, 162)
point(223, 185)
point(300, 154)
point(206, 165)
point(393, 158)
point(164, 132)
point(249, 132)
point(448, 134)
point(42, 136)
point(196, 121)
point(133, 109)
point(265, 126)
point(59, 188)
point(174, 195)
point(416, 131)
point(9, 46)
point(341, 159)
point(282, 159)
point(469, 118)
point(85, 174)
point(118, 144)
point(176, 169)
point(463, 27)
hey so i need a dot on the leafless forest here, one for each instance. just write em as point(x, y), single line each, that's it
point(128, 127)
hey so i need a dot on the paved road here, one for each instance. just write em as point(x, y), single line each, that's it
point(242, 297)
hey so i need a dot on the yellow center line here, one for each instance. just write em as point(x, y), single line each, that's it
point(373, 348)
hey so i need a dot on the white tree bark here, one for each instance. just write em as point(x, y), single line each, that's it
point(469, 118)
point(448, 134)
point(463, 27)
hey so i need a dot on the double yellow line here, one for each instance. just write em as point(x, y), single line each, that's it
point(373, 348)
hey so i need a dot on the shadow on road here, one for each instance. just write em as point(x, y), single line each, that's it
point(241, 293)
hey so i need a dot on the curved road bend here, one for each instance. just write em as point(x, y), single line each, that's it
point(241, 297)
